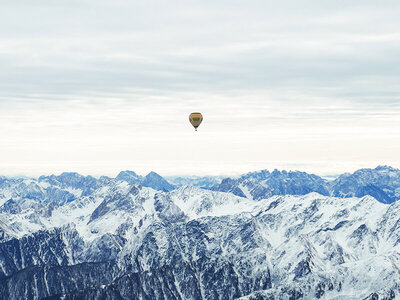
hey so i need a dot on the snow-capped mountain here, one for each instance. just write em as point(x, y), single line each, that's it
point(59, 189)
point(129, 176)
point(263, 184)
point(69, 186)
point(382, 183)
point(205, 182)
point(152, 180)
point(118, 239)
point(157, 182)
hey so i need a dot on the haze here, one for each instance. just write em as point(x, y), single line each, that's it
point(102, 86)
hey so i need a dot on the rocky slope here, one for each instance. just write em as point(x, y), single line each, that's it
point(131, 242)
point(116, 239)
point(205, 182)
point(382, 183)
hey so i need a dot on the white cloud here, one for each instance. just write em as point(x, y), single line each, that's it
point(102, 86)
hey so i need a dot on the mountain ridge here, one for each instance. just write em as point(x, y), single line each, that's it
point(72, 237)
point(382, 182)
point(189, 240)
point(263, 184)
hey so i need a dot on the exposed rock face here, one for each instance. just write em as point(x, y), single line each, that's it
point(263, 184)
point(156, 182)
point(382, 183)
point(152, 180)
point(126, 241)
point(205, 182)
point(129, 176)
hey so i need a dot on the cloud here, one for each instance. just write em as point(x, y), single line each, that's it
point(107, 46)
point(102, 85)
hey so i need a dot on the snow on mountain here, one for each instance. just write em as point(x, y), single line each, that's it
point(118, 239)
point(152, 180)
point(69, 186)
point(75, 183)
point(382, 183)
point(156, 182)
point(205, 182)
point(263, 184)
point(129, 176)
point(60, 189)
point(310, 246)
point(196, 202)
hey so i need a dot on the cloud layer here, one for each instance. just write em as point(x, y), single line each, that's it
point(108, 85)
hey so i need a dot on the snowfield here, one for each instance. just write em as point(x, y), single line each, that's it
point(73, 237)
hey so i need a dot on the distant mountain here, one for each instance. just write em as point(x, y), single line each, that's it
point(129, 176)
point(205, 182)
point(72, 180)
point(382, 183)
point(157, 182)
point(60, 189)
point(152, 180)
point(263, 184)
point(67, 187)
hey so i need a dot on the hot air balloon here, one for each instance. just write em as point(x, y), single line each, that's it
point(195, 118)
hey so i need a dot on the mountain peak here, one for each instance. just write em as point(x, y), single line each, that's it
point(153, 174)
point(157, 182)
point(129, 176)
point(385, 168)
point(127, 172)
point(70, 174)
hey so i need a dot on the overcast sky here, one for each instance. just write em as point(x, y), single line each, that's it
point(103, 86)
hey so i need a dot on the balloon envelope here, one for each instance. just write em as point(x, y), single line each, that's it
point(195, 119)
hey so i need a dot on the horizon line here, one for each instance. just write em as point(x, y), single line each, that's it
point(226, 175)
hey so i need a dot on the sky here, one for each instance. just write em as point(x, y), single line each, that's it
point(102, 86)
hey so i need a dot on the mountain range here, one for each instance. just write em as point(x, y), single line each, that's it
point(382, 183)
point(262, 235)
